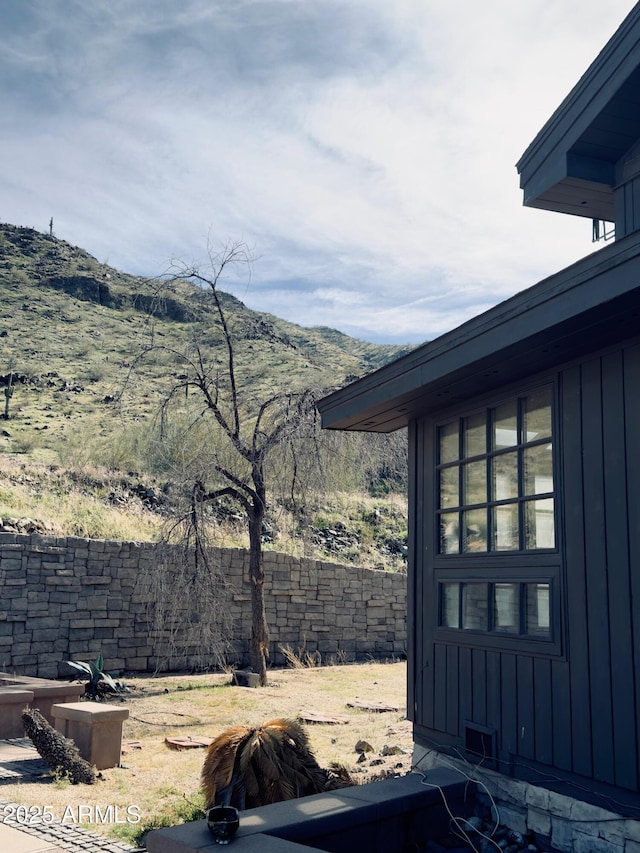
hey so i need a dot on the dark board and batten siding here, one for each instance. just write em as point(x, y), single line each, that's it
point(578, 710)
point(600, 433)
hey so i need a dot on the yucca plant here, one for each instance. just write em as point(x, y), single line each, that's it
point(100, 683)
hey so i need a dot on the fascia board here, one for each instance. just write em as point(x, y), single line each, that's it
point(613, 65)
point(592, 282)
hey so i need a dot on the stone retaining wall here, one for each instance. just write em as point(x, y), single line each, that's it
point(70, 598)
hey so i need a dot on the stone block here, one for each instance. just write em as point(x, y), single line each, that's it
point(539, 821)
point(36, 607)
point(80, 633)
point(513, 817)
point(560, 805)
point(136, 664)
point(48, 566)
point(246, 678)
point(586, 812)
point(114, 664)
point(41, 648)
point(561, 835)
point(95, 728)
point(585, 843)
point(57, 581)
point(632, 830)
point(13, 701)
point(611, 830)
point(48, 633)
point(47, 670)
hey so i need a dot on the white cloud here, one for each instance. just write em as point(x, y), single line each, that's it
point(365, 149)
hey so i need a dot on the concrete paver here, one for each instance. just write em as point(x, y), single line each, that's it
point(19, 842)
point(18, 759)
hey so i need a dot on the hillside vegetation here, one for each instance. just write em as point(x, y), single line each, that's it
point(81, 451)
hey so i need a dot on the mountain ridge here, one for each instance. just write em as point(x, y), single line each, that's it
point(73, 331)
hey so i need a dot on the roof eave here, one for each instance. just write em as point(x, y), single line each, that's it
point(553, 321)
point(548, 164)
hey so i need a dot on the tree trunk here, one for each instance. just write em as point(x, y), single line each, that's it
point(259, 646)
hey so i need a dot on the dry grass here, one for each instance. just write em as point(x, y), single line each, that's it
point(163, 782)
point(73, 502)
point(96, 502)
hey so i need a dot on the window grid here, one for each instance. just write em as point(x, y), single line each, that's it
point(482, 520)
point(506, 608)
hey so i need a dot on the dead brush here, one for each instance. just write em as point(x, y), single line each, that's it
point(248, 767)
point(302, 659)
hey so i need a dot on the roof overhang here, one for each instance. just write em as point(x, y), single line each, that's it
point(570, 165)
point(591, 304)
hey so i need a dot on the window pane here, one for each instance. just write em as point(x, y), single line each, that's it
point(449, 542)
point(449, 487)
point(450, 604)
point(475, 435)
point(505, 528)
point(449, 446)
point(474, 483)
point(474, 530)
point(506, 607)
point(537, 415)
point(538, 616)
point(539, 529)
point(505, 425)
point(505, 476)
point(474, 606)
point(538, 470)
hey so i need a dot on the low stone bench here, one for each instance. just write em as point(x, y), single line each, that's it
point(46, 692)
point(95, 728)
point(396, 814)
point(49, 694)
point(13, 701)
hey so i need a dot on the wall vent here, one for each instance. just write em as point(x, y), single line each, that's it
point(480, 743)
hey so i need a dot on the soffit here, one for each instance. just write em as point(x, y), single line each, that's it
point(569, 166)
point(591, 304)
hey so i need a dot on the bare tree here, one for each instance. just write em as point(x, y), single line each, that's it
point(247, 432)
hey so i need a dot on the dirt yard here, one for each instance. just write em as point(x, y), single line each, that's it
point(156, 782)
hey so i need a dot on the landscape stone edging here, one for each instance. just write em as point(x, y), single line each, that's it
point(72, 598)
point(569, 825)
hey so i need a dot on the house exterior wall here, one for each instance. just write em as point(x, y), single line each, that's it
point(572, 706)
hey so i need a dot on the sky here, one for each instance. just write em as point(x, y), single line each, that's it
point(364, 150)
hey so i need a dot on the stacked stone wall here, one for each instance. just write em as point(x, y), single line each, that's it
point(70, 598)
